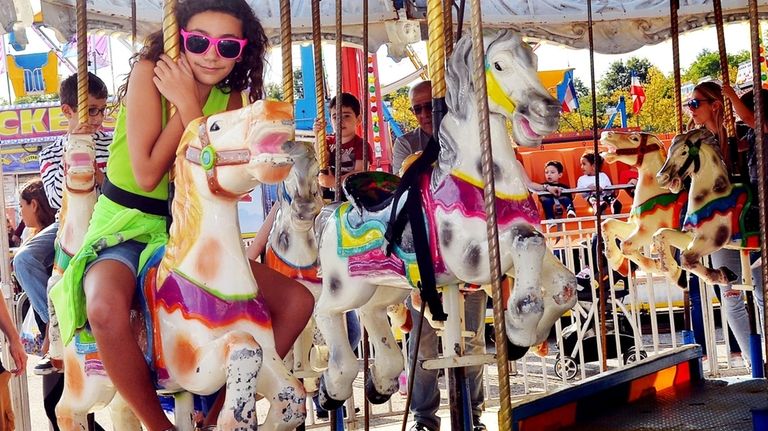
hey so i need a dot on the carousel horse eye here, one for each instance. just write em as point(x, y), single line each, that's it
point(497, 66)
point(215, 127)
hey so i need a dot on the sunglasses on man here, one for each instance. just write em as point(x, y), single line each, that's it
point(199, 44)
point(696, 103)
point(424, 107)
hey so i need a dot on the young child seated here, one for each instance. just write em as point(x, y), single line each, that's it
point(351, 143)
point(555, 203)
point(590, 163)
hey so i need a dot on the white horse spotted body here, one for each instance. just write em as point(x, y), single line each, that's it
point(358, 274)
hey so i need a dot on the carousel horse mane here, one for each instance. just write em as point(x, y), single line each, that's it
point(459, 71)
point(186, 206)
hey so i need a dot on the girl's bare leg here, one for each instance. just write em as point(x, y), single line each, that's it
point(109, 288)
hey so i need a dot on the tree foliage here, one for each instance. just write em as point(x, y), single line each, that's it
point(618, 76)
point(707, 65)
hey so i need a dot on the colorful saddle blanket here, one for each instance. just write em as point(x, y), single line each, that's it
point(361, 234)
point(740, 204)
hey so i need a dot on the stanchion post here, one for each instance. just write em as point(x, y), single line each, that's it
point(489, 193)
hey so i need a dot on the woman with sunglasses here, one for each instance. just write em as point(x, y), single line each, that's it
point(223, 55)
point(707, 110)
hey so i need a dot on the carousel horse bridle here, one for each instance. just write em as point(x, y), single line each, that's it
point(209, 158)
point(693, 157)
point(641, 150)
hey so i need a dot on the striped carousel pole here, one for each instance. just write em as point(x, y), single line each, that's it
point(489, 192)
point(171, 37)
point(762, 157)
point(366, 125)
point(317, 49)
point(674, 6)
point(184, 403)
point(286, 44)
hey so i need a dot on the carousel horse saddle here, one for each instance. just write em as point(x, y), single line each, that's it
point(370, 191)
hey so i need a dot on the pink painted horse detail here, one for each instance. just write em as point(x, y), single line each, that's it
point(357, 273)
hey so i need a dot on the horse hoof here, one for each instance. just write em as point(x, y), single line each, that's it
point(729, 275)
point(373, 395)
point(515, 352)
point(682, 281)
point(324, 399)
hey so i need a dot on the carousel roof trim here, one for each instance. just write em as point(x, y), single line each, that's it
point(619, 25)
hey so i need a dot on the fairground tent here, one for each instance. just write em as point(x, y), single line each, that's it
point(620, 25)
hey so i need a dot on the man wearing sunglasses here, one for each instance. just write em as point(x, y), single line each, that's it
point(425, 399)
point(416, 140)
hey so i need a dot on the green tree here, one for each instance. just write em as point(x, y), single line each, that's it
point(658, 112)
point(618, 75)
point(707, 64)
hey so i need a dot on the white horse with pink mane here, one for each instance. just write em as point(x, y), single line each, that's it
point(359, 274)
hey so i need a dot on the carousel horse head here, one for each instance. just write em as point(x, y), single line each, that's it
point(514, 87)
point(629, 147)
point(254, 136)
point(685, 157)
point(79, 164)
point(300, 189)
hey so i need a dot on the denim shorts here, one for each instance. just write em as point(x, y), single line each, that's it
point(127, 253)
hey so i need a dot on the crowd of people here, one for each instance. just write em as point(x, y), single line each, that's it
point(221, 69)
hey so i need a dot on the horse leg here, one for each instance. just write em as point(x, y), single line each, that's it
point(286, 395)
point(632, 247)
point(384, 373)
point(525, 305)
point(614, 229)
point(337, 298)
point(81, 393)
point(663, 240)
point(122, 416)
point(559, 286)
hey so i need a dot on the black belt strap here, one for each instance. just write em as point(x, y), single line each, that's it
point(132, 200)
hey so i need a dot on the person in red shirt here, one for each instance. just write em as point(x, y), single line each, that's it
point(351, 143)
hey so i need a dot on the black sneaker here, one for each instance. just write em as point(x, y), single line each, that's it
point(45, 367)
point(478, 426)
point(418, 426)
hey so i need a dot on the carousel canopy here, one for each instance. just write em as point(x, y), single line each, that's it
point(620, 25)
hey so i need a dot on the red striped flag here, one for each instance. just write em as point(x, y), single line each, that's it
point(637, 92)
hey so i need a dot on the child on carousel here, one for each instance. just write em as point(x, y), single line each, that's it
point(223, 54)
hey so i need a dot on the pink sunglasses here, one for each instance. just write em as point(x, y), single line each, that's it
point(199, 44)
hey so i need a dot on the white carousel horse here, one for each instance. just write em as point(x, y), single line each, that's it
point(292, 246)
point(653, 206)
point(358, 274)
point(718, 211)
point(208, 325)
point(79, 196)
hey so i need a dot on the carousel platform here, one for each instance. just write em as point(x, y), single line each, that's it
point(711, 404)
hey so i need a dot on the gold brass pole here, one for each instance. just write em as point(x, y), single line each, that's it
point(489, 193)
point(322, 152)
point(82, 61)
point(286, 43)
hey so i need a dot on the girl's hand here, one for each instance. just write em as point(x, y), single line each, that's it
point(19, 357)
point(729, 92)
point(176, 82)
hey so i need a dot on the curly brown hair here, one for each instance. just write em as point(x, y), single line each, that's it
point(34, 191)
point(247, 73)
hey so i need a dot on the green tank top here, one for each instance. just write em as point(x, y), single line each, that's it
point(119, 168)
